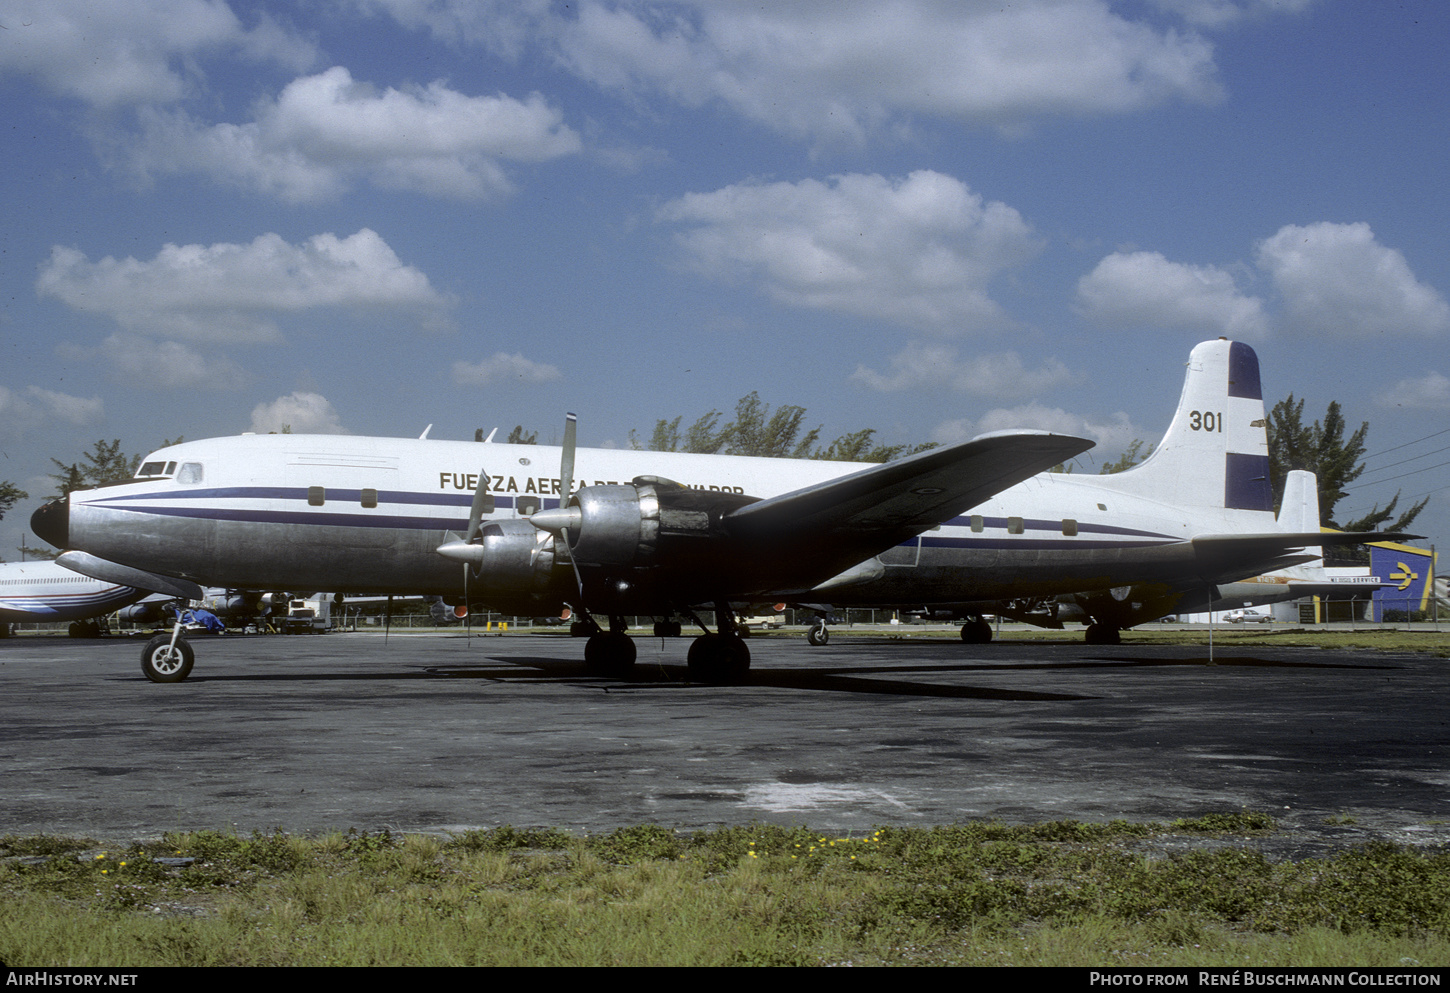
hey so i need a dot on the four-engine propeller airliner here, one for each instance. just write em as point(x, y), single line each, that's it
point(663, 534)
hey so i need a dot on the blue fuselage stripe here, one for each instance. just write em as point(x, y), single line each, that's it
point(1091, 536)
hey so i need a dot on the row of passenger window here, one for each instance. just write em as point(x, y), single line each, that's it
point(1015, 526)
point(317, 496)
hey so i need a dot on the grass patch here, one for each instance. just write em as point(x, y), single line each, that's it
point(1060, 893)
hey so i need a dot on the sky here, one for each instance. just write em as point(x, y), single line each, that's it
point(933, 218)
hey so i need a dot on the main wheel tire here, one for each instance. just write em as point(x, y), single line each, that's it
point(718, 661)
point(818, 635)
point(977, 632)
point(1102, 634)
point(161, 663)
point(610, 654)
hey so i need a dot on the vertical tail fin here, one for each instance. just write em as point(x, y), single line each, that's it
point(1299, 513)
point(1299, 510)
point(1216, 450)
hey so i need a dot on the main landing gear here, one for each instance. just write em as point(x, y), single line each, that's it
point(716, 657)
point(1102, 634)
point(609, 653)
point(977, 631)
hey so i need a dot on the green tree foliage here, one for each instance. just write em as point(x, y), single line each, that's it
point(520, 437)
point(1131, 456)
point(756, 430)
point(103, 463)
point(10, 494)
point(1337, 461)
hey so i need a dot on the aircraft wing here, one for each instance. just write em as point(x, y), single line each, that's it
point(113, 572)
point(829, 526)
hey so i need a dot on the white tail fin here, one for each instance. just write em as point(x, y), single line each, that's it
point(1299, 513)
point(1299, 510)
point(1216, 450)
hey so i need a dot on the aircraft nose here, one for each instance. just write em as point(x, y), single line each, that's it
point(52, 522)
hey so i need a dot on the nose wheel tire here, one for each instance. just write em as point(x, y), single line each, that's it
point(161, 662)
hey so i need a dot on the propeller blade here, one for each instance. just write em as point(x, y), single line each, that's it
point(566, 459)
point(482, 504)
point(559, 521)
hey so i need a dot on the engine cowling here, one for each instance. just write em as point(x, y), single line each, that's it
point(146, 612)
point(635, 544)
point(511, 568)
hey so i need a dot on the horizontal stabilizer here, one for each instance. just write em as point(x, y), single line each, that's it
point(113, 572)
point(1235, 556)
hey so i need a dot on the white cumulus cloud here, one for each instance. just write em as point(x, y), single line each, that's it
point(31, 408)
point(1224, 13)
point(143, 363)
point(298, 412)
point(232, 293)
point(111, 53)
point(920, 366)
point(1337, 279)
point(326, 133)
point(1327, 279)
point(1428, 392)
point(841, 71)
point(918, 251)
point(502, 366)
point(1112, 434)
point(1144, 289)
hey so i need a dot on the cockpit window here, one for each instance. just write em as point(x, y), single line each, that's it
point(190, 473)
point(155, 469)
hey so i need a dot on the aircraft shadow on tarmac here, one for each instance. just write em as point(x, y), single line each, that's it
point(653, 676)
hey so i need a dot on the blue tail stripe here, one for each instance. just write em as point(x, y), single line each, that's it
point(1246, 483)
point(1243, 372)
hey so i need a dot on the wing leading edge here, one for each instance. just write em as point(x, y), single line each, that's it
point(838, 523)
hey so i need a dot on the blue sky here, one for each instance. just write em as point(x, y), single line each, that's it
point(930, 218)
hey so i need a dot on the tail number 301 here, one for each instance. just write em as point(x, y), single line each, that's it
point(1205, 420)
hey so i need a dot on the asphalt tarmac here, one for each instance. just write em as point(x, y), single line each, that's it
point(442, 733)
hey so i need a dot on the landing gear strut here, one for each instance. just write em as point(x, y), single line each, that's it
point(818, 634)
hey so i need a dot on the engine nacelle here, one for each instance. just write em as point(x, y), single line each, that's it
point(619, 526)
point(641, 544)
point(147, 612)
point(514, 558)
